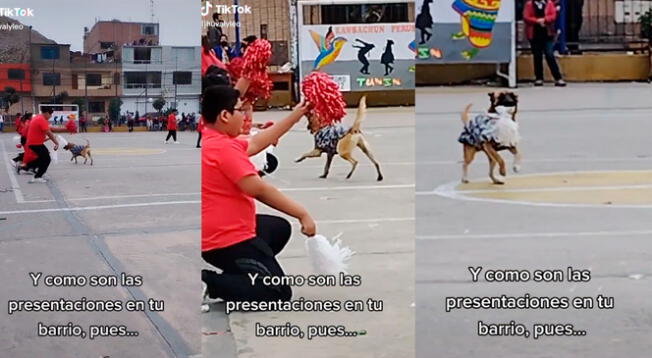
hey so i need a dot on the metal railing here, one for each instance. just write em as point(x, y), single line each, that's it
point(598, 25)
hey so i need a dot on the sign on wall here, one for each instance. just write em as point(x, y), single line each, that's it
point(360, 57)
point(464, 31)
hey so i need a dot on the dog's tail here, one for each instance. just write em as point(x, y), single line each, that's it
point(362, 112)
point(465, 114)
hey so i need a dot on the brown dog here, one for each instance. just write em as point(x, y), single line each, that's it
point(479, 135)
point(337, 139)
point(80, 151)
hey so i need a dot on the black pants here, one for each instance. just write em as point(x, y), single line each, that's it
point(255, 256)
point(19, 157)
point(42, 163)
point(173, 134)
point(198, 139)
point(541, 47)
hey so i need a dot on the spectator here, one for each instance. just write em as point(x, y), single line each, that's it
point(2, 122)
point(82, 124)
point(214, 31)
point(540, 17)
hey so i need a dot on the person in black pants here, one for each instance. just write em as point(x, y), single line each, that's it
point(255, 256)
point(540, 17)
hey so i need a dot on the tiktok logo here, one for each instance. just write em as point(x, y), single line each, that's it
point(206, 8)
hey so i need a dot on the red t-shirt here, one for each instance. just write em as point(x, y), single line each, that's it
point(38, 126)
point(200, 124)
point(228, 214)
point(172, 122)
point(208, 59)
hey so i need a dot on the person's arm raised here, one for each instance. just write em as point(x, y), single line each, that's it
point(266, 193)
point(271, 135)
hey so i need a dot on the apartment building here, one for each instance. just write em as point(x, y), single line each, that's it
point(151, 72)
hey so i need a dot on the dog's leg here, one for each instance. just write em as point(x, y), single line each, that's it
point(364, 146)
point(315, 153)
point(85, 159)
point(75, 157)
point(469, 154)
point(329, 161)
point(502, 168)
point(90, 156)
point(494, 158)
point(349, 158)
point(517, 159)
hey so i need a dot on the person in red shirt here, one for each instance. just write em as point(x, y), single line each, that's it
point(540, 17)
point(39, 128)
point(172, 127)
point(234, 238)
point(200, 128)
point(22, 123)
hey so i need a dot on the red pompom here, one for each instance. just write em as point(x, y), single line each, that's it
point(235, 68)
point(71, 126)
point(256, 59)
point(325, 96)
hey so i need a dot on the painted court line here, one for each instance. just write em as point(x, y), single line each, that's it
point(12, 177)
point(335, 188)
point(87, 208)
point(536, 235)
point(450, 191)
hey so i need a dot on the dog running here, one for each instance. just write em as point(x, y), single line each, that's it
point(338, 139)
point(492, 132)
point(79, 150)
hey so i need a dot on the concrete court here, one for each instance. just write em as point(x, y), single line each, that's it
point(377, 221)
point(586, 149)
point(137, 210)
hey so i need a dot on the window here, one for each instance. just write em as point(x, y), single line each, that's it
point(183, 54)
point(263, 31)
point(16, 74)
point(143, 79)
point(142, 55)
point(93, 79)
point(182, 78)
point(49, 52)
point(51, 79)
point(106, 45)
point(148, 29)
point(96, 107)
point(357, 14)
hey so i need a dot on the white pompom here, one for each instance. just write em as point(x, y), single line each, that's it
point(328, 257)
point(62, 141)
point(54, 156)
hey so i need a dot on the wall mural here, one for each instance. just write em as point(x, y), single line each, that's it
point(453, 31)
point(361, 56)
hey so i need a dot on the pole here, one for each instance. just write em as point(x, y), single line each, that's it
point(54, 87)
point(31, 67)
point(237, 28)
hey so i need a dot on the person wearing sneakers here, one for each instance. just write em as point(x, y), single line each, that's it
point(39, 128)
point(172, 127)
point(540, 17)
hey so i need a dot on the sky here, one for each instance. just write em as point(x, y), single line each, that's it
point(64, 20)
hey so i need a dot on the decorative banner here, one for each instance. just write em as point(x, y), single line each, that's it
point(60, 117)
point(360, 57)
point(464, 31)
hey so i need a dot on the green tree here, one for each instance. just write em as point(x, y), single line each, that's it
point(61, 97)
point(158, 104)
point(114, 108)
point(81, 103)
point(9, 97)
point(646, 24)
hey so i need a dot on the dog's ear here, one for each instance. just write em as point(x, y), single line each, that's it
point(492, 97)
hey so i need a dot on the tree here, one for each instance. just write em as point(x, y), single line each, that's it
point(81, 103)
point(646, 24)
point(158, 104)
point(9, 97)
point(61, 97)
point(114, 108)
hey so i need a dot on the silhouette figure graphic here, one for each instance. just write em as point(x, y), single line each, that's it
point(362, 55)
point(424, 22)
point(387, 58)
